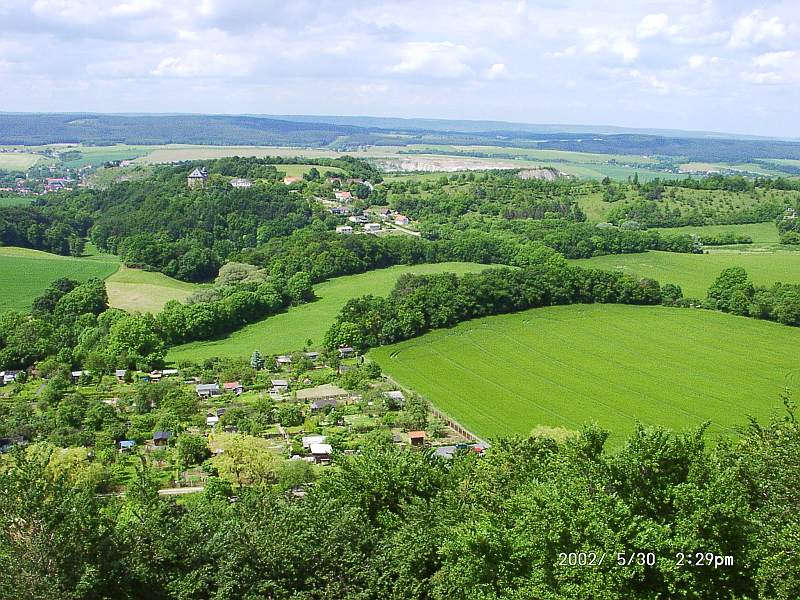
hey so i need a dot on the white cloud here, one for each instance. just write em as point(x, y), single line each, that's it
point(200, 63)
point(697, 61)
point(650, 81)
point(774, 59)
point(497, 71)
point(767, 78)
point(434, 59)
point(653, 25)
point(620, 47)
point(754, 28)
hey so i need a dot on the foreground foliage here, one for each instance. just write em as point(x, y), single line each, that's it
point(398, 524)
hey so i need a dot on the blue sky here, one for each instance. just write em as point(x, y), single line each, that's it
point(709, 65)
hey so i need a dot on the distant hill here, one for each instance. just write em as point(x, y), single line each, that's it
point(478, 126)
point(347, 133)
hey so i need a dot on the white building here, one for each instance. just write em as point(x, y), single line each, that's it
point(344, 229)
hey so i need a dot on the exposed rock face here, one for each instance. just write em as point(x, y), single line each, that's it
point(546, 173)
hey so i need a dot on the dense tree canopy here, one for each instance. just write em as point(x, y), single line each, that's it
point(391, 523)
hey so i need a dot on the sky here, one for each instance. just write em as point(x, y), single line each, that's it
point(713, 65)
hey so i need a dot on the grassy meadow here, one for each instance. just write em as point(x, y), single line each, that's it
point(18, 161)
point(761, 233)
point(25, 274)
point(696, 272)
point(135, 290)
point(567, 365)
point(289, 330)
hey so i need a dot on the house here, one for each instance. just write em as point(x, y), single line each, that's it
point(8, 376)
point(346, 229)
point(313, 439)
point(76, 375)
point(321, 453)
point(197, 178)
point(120, 374)
point(343, 196)
point(283, 360)
point(54, 184)
point(372, 227)
point(400, 220)
point(395, 397)
point(280, 385)
point(169, 372)
point(240, 182)
point(290, 179)
point(339, 211)
point(207, 390)
point(312, 355)
point(346, 351)
point(212, 420)
point(233, 386)
point(155, 376)
point(322, 403)
point(385, 214)
point(126, 445)
point(361, 219)
point(161, 438)
point(790, 214)
point(417, 438)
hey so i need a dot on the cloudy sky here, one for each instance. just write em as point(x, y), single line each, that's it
point(722, 65)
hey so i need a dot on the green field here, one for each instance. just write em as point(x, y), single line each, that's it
point(289, 331)
point(144, 291)
point(696, 272)
point(97, 155)
point(613, 364)
point(24, 273)
point(178, 152)
point(17, 161)
point(762, 233)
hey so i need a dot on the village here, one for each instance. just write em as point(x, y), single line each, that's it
point(344, 203)
point(295, 408)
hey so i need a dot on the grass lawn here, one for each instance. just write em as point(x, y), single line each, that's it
point(696, 272)
point(762, 233)
point(616, 365)
point(289, 331)
point(135, 290)
point(24, 273)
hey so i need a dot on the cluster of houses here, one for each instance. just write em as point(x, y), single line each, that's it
point(56, 184)
point(213, 390)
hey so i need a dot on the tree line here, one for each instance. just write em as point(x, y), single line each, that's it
point(419, 303)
